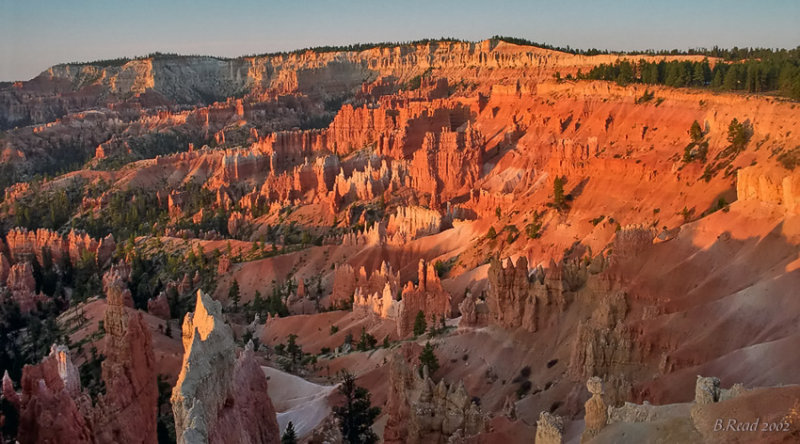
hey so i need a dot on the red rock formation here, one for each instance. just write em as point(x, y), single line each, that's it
point(474, 312)
point(428, 296)
point(175, 204)
point(105, 250)
point(769, 185)
point(285, 148)
point(421, 411)
point(518, 297)
point(224, 264)
point(344, 285)
point(8, 391)
point(355, 128)
point(22, 285)
point(185, 285)
point(26, 245)
point(219, 398)
point(5, 268)
point(115, 284)
point(77, 243)
point(376, 295)
point(53, 409)
point(409, 223)
point(29, 245)
point(236, 223)
point(127, 411)
point(159, 306)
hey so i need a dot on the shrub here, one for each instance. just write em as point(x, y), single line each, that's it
point(696, 132)
point(534, 230)
point(646, 97)
point(524, 388)
point(790, 159)
point(367, 342)
point(738, 134)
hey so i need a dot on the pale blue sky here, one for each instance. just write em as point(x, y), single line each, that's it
point(35, 34)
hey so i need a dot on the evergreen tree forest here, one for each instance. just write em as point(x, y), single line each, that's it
point(774, 72)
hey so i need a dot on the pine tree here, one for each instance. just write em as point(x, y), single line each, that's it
point(419, 324)
point(258, 303)
point(558, 192)
point(428, 359)
point(357, 414)
point(738, 134)
point(698, 75)
point(696, 132)
point(233, 294)
point(294, 350)
point(289, 436)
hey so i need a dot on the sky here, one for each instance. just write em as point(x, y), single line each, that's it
point(36, 34)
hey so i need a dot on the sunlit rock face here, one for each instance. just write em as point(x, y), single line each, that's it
point(219, 397)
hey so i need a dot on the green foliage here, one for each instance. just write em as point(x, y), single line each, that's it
point(165, 428)
point(491, 234)
point(738, 134)
point(367, 342)
point(91, 375)
point(289, 436)
point(534, 229)
point(443, 267)
point(764, 70)
point(233, 294)
point(647, 96)
point(597, 220)
point(686, 213)
point(10, 420)
point(334, 330)
point(26, 338)
point(419, 324)
point(415, 82)
point(790, 158)
point(293, 354)
point(160, 143)
point(87, 277)
point(437, 328)
point(697, 148)
point(50, 209)
point(559, 201)
point(526, 42)
point(523, 379)
point(129, 213)
point(427, 358)
point(356, 414)
point(696, 132)
point(524, 388)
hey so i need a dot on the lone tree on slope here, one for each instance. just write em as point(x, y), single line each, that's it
point(357, 414)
